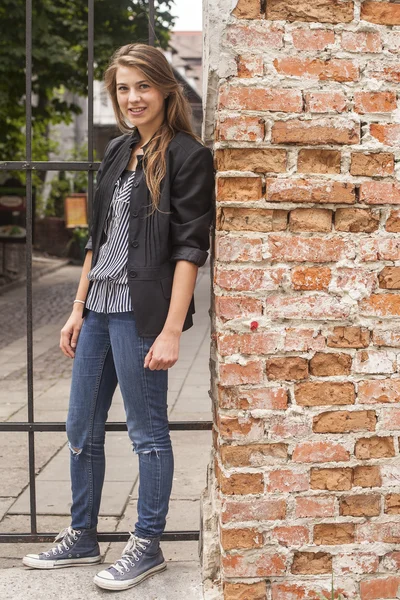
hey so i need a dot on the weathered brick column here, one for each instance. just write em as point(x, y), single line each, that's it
point(302, 107)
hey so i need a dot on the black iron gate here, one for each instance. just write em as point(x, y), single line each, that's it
point(30, 426)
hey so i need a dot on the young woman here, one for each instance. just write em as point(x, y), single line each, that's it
point(152, 211)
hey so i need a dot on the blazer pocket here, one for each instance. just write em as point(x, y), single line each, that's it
point(166, 285)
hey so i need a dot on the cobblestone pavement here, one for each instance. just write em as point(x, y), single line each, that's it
point(52, 297)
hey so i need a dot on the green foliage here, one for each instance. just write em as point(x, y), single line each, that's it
point(334, 595)
point(59, 59)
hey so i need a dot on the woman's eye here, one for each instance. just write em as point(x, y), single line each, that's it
point(144, 85)
point(121, 89)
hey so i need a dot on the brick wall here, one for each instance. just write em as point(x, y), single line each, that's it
point(306, 354)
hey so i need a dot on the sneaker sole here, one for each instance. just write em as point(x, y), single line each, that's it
point(110, 584)
point(37, 563)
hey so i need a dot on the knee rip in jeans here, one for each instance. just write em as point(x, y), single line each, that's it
point(75, 451)
point(150, 451)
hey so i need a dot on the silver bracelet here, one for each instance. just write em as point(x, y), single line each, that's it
point(80, 302)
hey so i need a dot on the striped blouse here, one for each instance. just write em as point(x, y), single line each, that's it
point(109, 292)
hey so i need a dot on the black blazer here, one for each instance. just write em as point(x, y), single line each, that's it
point(179, 230)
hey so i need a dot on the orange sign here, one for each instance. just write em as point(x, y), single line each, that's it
point(75, 209)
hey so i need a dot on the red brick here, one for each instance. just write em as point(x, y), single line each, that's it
point(315, 249)
point(348, 280)
point(374, 447)
point(384, 71)
point(340, 70)
point(241, 484)
point(379, 249)
point(249, 343)
point(250, 279)
point(306, 307)
point(382, 13)
point(380, 192)
point(356, 220)
point(312, 39)
point(258, 160)
point(356, 562)
point(324, 102)
point(232, 539)
point(348, 337)
point(344, 421)
point(292, 536)
point(367, 476)
point(393, 222)
point(324, 11)
point(240, 249)
point(255, 455)
point(242, 428)
point(389, 278)
point(314, 507)
point(374, 102)
point(251, 219)
point(381, 305)
point(328, 364)
point(316, 131)
point(287, 426)
point(319, 452)
point(239, 188)
point(290, 368)
point(286, 480)
point(384, 587)
point(247, 9)
point(234, 374)
point(247, 129)
point(311, 278)
point(339, 479)
point(303, 340)
point(255, 35)
point(392, 504)
point(388, 533)
point(309, 190)
point(311, 563)
point(260, 99)
point(259, 509)
point(372, 164)
point(388, 134)
point(386, 337)
point(264, 565)
point(324, 393)
point(229, 307)
point(245, 591)
point(390, 418)
point(360, 505)
point(361, 41)
point(310, 219)
point(250, 65)
point(334, 533)
point(311, 160)
point(275, 398)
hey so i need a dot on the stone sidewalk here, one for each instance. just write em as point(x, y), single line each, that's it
point(187, 400)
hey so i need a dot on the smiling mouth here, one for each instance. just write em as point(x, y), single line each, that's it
point(136, 111)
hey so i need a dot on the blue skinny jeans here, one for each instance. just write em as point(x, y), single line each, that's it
point(110, 351)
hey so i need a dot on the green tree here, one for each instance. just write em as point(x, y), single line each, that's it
point(59, 54)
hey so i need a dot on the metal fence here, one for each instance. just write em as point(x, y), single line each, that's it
point(30, 426)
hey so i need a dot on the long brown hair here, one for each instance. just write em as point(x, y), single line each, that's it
point(153, 64)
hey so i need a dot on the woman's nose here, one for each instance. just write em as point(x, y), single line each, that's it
point(134, 96)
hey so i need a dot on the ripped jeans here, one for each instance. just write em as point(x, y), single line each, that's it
point(110, 351)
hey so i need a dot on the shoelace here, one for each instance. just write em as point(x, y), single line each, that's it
point(130, 553)
point(67, 536)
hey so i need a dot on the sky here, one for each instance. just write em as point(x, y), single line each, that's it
point(189, 15)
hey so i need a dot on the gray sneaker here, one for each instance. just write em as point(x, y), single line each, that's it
point(76, 547)
point(140, 559)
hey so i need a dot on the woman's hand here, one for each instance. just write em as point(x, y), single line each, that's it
point(70, 333)
point(164, 352)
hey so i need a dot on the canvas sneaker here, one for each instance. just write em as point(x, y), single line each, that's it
point(141, 558)
point(75, 547)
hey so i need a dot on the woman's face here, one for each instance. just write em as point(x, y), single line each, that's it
point(140, 102)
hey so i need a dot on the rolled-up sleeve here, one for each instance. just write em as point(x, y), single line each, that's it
point(192, 208)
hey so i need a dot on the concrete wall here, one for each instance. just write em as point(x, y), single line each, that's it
point(302, 111)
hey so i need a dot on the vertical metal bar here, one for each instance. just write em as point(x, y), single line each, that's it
point(29, 222)
point(151, 23)
point(90, 99)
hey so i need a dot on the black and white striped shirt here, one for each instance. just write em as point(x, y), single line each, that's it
point(109, 292)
